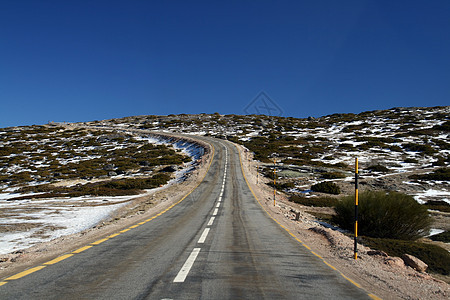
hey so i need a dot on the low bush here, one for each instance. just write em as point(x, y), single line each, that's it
point(422, 148)
point(441, 237)
point(437, 258)
point(438, 205)
point(327, 187)
point(282, 186)
point(441, 174)
point(346, 146)
point(315, 201)
point(120, 187)
point(411, 161)
point(395, 148)
point(384, 215)
point(332, 175)
point(444, 127)
point(377, 168)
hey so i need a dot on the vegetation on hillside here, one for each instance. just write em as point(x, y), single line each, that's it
point(384, 215)
point(44, 154)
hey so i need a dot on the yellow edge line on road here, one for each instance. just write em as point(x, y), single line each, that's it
point(58, 259)
point(25, 273)
point(306, 246)
point(82, 249)
point(99, 241)
point(62, 257)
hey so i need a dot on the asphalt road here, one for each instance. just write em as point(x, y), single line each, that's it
point(218, 243)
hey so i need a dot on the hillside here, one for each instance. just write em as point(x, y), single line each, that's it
point(402, 149)
point(67, 179)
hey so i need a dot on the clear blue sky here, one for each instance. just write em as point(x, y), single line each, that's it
point(92, 60)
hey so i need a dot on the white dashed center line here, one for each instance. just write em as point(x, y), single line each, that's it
point(181, 277)
point(202, 238)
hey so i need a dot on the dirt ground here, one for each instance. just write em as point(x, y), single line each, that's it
point(383, 276)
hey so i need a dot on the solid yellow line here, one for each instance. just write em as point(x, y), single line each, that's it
point(2, 283)
point(82, 249)
point(317, 255)
point(99, 241)
point(329, 265)
point(142, 223)
point(58, 259)
point(306, 246)
point(25, 273)
point(374, 297)
point(125, 230)
point(350, 280)
point(114, 235)
point(134, 226)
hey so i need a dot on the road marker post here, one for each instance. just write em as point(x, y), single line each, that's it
point(257, 173)
point(355, 247)
point(274, 180)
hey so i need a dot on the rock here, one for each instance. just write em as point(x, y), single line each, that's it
point(3, 259)
point(414, 263)
point(395, 262)
point(377, 252)
point(112, 173)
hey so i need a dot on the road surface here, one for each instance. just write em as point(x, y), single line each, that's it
point(218, 243)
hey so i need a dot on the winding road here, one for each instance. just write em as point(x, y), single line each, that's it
point(217, 243)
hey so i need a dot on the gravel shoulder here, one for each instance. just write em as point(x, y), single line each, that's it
point(384, 276)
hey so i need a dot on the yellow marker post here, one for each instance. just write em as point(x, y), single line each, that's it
point(355, 250)
point(274, 181)
point(257, 173)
